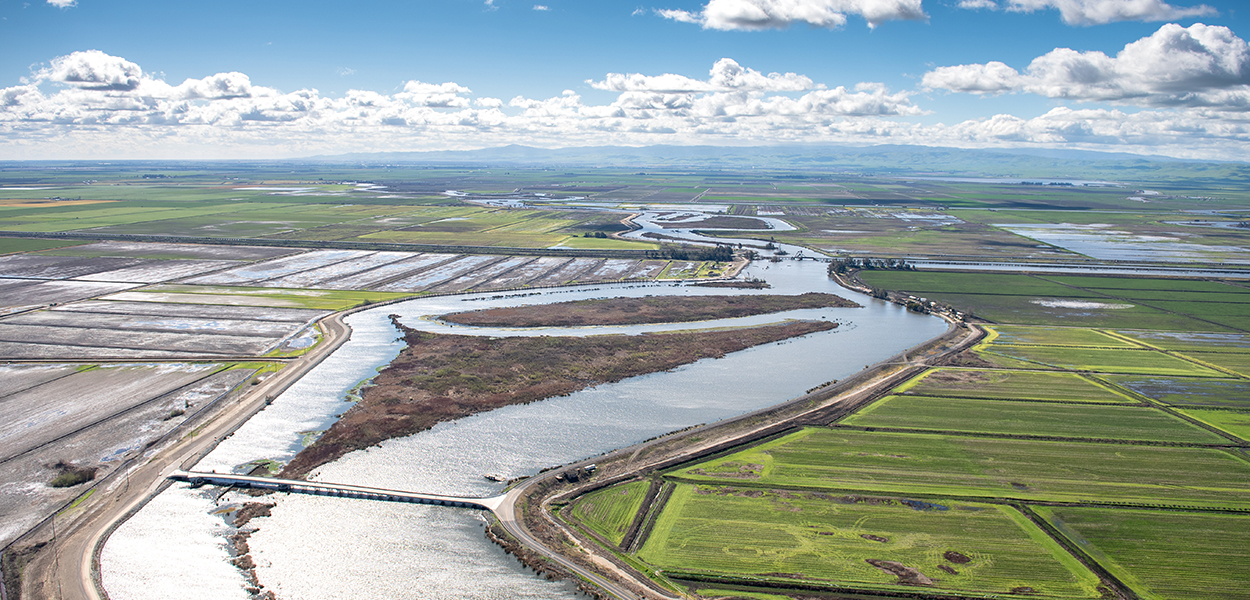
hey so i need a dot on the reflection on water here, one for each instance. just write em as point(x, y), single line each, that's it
point(315, 547)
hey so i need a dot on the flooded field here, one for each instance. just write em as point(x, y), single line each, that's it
point(442, 551)
point(93, 419)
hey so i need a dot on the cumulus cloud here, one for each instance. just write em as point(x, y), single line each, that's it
point(90, 104)
point(541, 7)
point(978, 4)
point(1100, 12)
point(726, 75)
point(779, 14)
point(63, 3)
point(1195, 66)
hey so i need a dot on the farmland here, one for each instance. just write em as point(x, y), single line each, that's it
point(1173, 555)
point(816, 539)
point(610, 511)
point(1047, 419)
point(1011, 385)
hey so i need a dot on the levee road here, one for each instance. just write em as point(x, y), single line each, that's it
point(526, 510)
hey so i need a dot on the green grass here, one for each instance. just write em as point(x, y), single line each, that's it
point(937, 282)
point(315, 299)
point(1237, 362)
point(1010, 385)
point(1233, 421)
point(1164, 555)
point(1229, 393)
point(1087, 421)
point(1185, 341)
point(916, 463)
point(814, 537)
point(13, 245)
point(609, 511)
point(1122, 284)
point(1105, 361)
point(1057, 336)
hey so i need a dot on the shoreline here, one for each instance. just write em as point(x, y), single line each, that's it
point(549, 535)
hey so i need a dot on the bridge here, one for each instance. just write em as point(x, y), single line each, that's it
point(316, 488)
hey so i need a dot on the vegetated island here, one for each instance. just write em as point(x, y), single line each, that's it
point(444, 377)
point(651, 309)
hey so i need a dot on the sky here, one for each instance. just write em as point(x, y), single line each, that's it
point(273, 79)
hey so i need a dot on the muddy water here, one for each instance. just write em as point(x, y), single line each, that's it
point(314, 547)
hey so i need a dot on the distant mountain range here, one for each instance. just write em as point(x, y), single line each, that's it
point(880, 160)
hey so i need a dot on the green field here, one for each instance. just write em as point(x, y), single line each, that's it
point(254, 296)
point(1231, 393)
point(1236, 362)
point(609, 511)
point(1054, 301)
point(907, 463)
point(12, 245)
point(804, 537)
point(1088, 421)
point(1104, 361)
point(1189, 342)
point(1232, 421)
point(1010, 385)
point(1057, 336)
point(1164, 555)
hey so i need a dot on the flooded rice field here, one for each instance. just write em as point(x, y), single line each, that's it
point(92, 419)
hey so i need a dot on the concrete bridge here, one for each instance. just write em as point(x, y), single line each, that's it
point(294, 486)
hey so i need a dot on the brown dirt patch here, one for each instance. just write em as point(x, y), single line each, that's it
point(633, 311)
point(906, 575)
point(948, 569)
point(957, 557)
point(874, 538)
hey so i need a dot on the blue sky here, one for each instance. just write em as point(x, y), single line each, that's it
point(226, 79)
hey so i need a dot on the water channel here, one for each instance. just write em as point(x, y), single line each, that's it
point(316, 548)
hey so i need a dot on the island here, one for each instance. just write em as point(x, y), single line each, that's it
point(445, 377)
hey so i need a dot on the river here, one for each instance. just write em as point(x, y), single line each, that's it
point(316, 547)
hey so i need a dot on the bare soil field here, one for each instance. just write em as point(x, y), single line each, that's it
point(36, 266)
point(183, 344)
point(26, 497)
point(158, 271)
point(215, 311)
point(570, 271)
point(40, 414)
point(16, 293)
point(173, 251)
point(280, 267)
point(630, 311)
point(443, 377)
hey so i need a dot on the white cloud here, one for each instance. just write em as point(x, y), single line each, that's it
point(726, 75)
point(1099, 12)
point(978, 4)
point(63, 3)
point(779, 14)
point(92, 105)
point(345, 71)
point(1197, 66)
point(541, 7)
point(92, 69)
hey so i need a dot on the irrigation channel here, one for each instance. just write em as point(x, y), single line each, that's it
point(315, 547)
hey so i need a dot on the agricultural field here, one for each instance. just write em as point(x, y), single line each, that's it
point(1164, 555)
point(1232, 421)
point(1174, 391)
point(610, 511)
point(1057, 336)
point(1074, 301)
point(1102, 360)
point(1011, 385)
point(816, 539)
point(1016, 418)
point(845, 460)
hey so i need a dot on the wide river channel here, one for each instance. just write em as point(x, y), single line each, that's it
point(317, 548)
